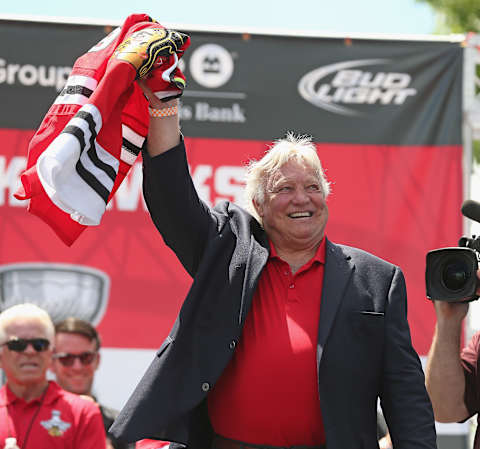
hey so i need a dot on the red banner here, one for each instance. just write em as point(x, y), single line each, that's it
point(391, 201)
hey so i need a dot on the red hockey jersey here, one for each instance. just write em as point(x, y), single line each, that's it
point(89, 138)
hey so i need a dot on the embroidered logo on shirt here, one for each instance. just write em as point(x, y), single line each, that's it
point(55, 426)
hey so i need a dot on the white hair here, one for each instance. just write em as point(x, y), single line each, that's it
point(300, 149)
point(26, 311)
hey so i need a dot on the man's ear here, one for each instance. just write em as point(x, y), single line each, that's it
point(258, 207)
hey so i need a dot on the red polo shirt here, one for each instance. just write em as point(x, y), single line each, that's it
point(471, 363)
point(61, 421)
point(268, 393)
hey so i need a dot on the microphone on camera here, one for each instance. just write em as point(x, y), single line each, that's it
point(471, 209)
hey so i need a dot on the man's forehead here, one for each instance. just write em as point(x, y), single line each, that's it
point(21, 326)
point(72, 338)
point(290, 170)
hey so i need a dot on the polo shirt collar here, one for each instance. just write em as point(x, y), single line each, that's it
point(7, 396)
point(319, 255)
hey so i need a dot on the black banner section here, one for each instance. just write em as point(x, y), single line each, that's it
point(35, 61)
point(246, 86)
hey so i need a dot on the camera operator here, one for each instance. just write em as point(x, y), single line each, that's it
point(452, 376)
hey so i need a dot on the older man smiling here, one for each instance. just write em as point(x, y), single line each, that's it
point(285, 339)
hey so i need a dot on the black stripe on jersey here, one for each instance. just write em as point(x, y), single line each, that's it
point(92, 181)
point(77, 90)
point(85, 174)
point(130, 147)
point(92, 152)
point(77, 132)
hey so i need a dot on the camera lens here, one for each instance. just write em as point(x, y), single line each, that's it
point(455, 275)
point(450, 274)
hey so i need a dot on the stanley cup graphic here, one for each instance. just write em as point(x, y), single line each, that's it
point(63, 290)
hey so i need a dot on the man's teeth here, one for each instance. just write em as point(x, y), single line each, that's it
point(300, 214)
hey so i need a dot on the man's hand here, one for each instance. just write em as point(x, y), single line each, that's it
point(154, 53)
point(166, 79)
point(450, 312)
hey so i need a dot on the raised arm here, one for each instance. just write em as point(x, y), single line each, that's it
point(445, 378)
point(163, 132)
point(185, 222)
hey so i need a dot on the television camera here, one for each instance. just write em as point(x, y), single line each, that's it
point(451, 273)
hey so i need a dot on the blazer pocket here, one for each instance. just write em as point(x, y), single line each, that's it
point(367, 323)
point(371, 313)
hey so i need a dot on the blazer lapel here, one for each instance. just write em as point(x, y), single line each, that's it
point(256, 260)
point(338, 269)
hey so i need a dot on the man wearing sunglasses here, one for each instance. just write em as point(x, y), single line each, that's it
point(35, 412)
point(75, 360)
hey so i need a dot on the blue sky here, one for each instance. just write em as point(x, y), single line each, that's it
point(338, 16)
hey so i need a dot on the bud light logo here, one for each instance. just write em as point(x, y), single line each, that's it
point(334, 86)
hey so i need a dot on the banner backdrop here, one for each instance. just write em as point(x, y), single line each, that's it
point(386, 117)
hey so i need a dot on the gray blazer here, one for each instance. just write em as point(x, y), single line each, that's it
point(364, 347)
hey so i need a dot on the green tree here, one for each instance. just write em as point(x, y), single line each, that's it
point(458, 16)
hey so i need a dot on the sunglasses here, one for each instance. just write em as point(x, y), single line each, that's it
point(67, 359)
point(20, 344)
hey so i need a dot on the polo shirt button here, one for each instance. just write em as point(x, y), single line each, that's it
point(292, 285)
point(205, 386)
point(232, 344)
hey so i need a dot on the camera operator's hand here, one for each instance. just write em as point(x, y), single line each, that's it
point(450, 313)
